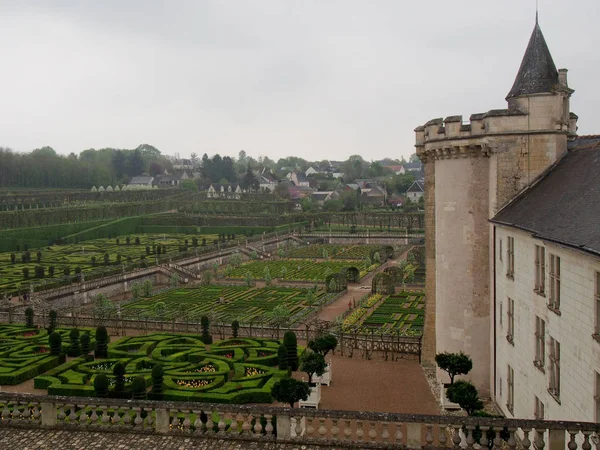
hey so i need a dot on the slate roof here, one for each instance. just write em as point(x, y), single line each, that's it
point(141, 180)
point(417, 186)
point(537, 72)
point(564, 205)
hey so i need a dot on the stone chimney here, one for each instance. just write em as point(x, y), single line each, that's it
point(562, 77)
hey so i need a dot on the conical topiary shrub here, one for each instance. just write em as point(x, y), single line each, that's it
point(119, 373)
point(101, 342)
point(138, 388)
point(101, 385)
point(85, 344)
point(291, 346)
point(55, 343)
point(282, 356)
point(157, 381)
point(29, 317)
point(74, 348)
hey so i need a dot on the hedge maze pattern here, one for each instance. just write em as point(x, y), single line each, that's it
point(233, 371)
point(404, 312)
point(24, 352)
point(338, 251)
point(297, 270)
point(225, 303)
point(65, 259)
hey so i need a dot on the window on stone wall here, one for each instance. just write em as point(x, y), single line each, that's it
point(554, 387)
point(597, 302)
point(510, 395)
point(554, 299)
point(510, 257)
point(500, 249)
point(540, 343)
point(538, 409)
point(540, 270)
point(510, 322)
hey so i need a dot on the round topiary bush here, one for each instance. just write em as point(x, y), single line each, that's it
point(101, 342)
point(157, 381)
point(119, 373)
point(101, 385)
point(85, 344)
point(291, 346)
point(55, 343)
point(282, 355)
point(74, 348)
point(138, 388)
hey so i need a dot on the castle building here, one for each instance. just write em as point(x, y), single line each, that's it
point(512, 212)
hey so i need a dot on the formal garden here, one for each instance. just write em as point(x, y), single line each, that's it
point(297, 270)
point(339, 251)
point(24, 266)
point(402, 313)
point(177, 366)
point(25, 351)
point(268, 305)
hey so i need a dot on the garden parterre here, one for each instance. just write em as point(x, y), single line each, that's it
point(72, 256)
point(246, 304)
point(24, 352)
point(233, 371)
point(336, 251)
point(401, 313)
point(297, 270)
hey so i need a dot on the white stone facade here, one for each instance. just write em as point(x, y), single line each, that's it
point(573, 328)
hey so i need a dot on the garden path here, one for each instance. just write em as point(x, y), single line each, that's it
point(356, 291)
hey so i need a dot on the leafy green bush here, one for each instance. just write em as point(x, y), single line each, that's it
point(312, 363)
point(454, 364)
point(466, 395)
point(290, 391)
point(52, 315)
point(235, 328)
point(85, 344)
point(157, 381)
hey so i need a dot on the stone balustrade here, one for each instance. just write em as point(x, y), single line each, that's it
point(325, 427)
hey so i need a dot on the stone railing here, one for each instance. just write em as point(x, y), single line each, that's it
point(329, 428)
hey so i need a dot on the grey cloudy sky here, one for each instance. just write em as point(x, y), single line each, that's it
point(313, 78)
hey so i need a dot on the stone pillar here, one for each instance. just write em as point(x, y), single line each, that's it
point(162, 421)
point(429, 348)
point(284, 427)
point(48, 414)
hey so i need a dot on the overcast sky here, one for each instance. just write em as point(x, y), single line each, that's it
point(320, 79)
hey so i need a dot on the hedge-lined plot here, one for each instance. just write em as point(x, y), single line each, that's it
point(24, 352)
point(232, 371)
point(297, 270)
point(404, 312)
point(238, 302)
point(87, 256)
point(336, 251)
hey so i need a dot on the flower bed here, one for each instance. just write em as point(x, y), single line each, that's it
point(297, 270)
point(403, 312)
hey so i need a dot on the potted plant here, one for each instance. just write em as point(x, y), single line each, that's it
point(453, 364)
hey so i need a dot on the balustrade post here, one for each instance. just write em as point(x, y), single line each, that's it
point(413, 435)
point(556, 440)
point(284, 426)
point(162, 420)
point(48, 414)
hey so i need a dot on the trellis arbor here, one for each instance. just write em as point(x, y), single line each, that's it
point(383, 283)
point(352, 274)
point(395, 272)
point(336, 282)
